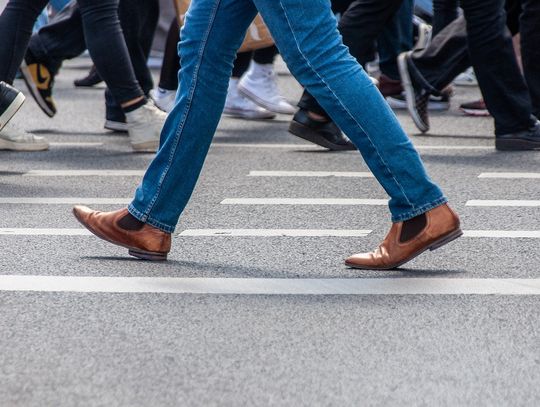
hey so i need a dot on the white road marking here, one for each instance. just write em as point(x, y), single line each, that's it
point(314, 147)
point(310, 174)
point(84, 173)
point(502, 202)
point(508, 234)
point(302, 201)
point(514, 234)
point(44, 232)
point(65, 201)
point(510, 175)
point(276, 232)
point(272, 286)
point(76, 144)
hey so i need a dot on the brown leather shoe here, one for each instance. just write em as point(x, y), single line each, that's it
point(148, 242)
point(429, 231)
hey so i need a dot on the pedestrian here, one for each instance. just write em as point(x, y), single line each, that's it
point(312, 48)
point(481, 38)
point(107, 47)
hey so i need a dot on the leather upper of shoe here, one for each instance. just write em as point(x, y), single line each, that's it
point(440, 222)
point(389, 87)
point(532, 134)
point(105, 225)
point(327, 129)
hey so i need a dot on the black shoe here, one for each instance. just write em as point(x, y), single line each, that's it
point(325, 134)
point(417, 97)
point(115, 119)
point(522, 140)
point(11, 101)
point(90, 80)
point(40, 81)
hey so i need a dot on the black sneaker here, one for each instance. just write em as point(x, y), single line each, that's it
point(89, 80)
point(416, 96)
point(11, 101)
point(324, 134)
point(40, 81)
point(520, 141)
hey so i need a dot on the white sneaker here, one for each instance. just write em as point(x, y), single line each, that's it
point(14, 139)
point(163, 98)
point(144, 127)
point(237, 105)
point(259, 84)
point(467, 78)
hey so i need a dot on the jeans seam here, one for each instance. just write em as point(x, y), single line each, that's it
point(179, 131)
point(151, 221)
point(342, 106)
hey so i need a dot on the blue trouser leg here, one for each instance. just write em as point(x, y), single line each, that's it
point(213, 32)
point(310, 44)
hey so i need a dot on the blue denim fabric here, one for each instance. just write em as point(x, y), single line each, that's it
point(306, 34)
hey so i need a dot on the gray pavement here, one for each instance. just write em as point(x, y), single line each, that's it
point(103, 349)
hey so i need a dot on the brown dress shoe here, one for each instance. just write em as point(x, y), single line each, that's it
point(146, 242)
point(406, 240)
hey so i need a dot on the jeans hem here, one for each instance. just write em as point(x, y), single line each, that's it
point(418, 211)
point(151, 221)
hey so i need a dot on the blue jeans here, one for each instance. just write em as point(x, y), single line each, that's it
point(307, 37)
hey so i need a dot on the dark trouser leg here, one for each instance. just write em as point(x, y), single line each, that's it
point(265, 55)
point(492, 55)
point(138, 19)
point(444, 12)
point(108, 48)
point(445, 58)
point(396, 38)
point(16, 24)
point(530, 50)
point(168, 79)
point(61, 39)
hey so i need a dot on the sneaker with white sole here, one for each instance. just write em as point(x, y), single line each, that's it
point(163, 99)
point(239, 106)
point(144, 128)
point(467, 78)
point(13, 139)
point(11, 101)
point(259, 84)
point(435, 103)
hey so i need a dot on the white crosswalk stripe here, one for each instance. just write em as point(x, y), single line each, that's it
point(338, 174)
point(84, 173)
point(503, 202)
point(510, 175)
point(65, 201)
point(271, 286)
point(302, 201)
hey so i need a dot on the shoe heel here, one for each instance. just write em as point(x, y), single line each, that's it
point(447, 239)
point(151, 256)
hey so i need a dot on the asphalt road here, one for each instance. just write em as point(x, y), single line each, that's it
point(155, 348)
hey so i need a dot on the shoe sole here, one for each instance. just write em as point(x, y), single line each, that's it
point(29, 81)
point(116, 126)
point(132, 251)
point(12, 146)
point(516, 145)
point(475, 112)
point(263, 103)
point(455, 234)
point(11, 110)
point(243, 114)
point(409, 92)
point(305, 133)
